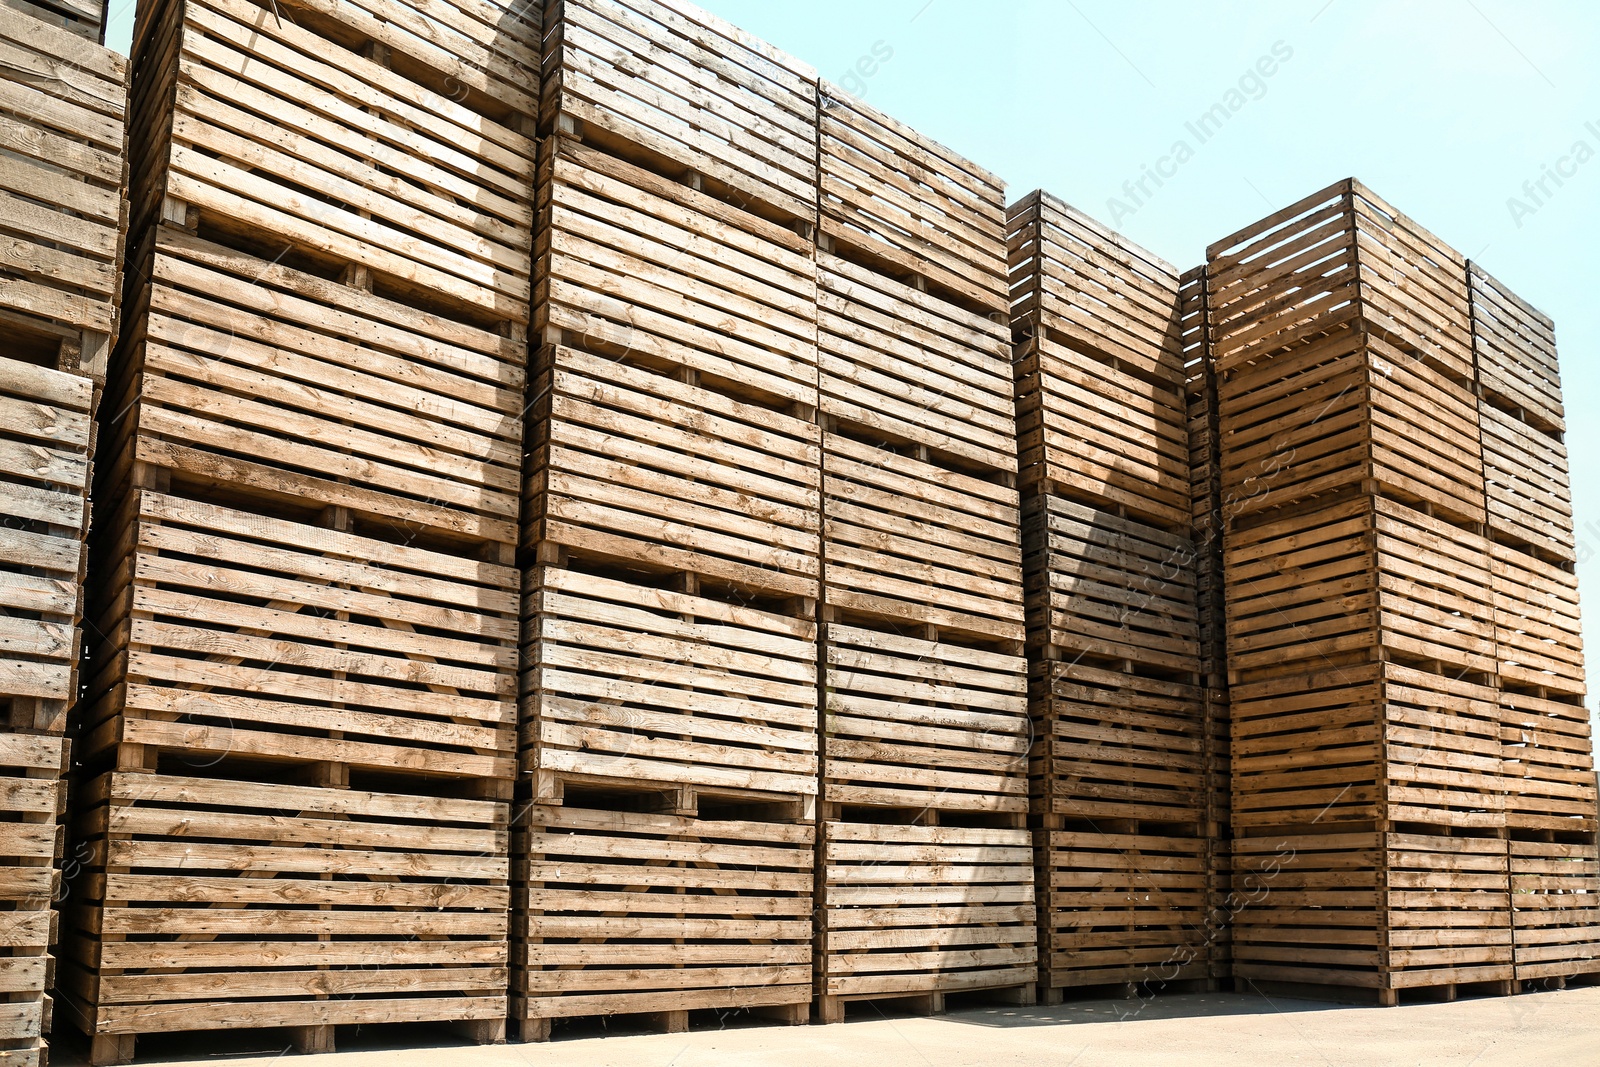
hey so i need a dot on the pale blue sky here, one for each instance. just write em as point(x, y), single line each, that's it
point(1443, 107)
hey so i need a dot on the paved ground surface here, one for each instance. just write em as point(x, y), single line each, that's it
point(1548, 1029)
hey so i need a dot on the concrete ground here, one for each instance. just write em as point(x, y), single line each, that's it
point(1547, 1029)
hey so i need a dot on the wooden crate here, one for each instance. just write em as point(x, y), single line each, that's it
point(1101, 412)
point(636, 465)
point(903, 204)
point(913, 368)
point(1378, 742)
point(1110, 744)
point(626, 680)
point(624, 912)
point(918, 723)
point(675, 88)
point(649, 268)
point(1555, 908)
point(1514, 346)
point(212, 903)
point(1536, 624)
point(46, 441)
point(923, 910)
point(1378, 911)
point(1548, 758)
point(390, 139)
point(1340, 583)
point(83, 18)
point(1121, 908)
point(1108, 588)
point(1344, 410)
point(32, 782)
point(46, 435)
point(223, 632)
point(296, 394)
point(62, 115)
point(1340, 256)
point(1527, 485)
point(907, 540)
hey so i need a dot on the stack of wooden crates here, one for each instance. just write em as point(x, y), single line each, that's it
point(1118, 697)
point(298, 721)
point(924, 860)
point(671, 551)
point(61, 214)
point(1412, 783)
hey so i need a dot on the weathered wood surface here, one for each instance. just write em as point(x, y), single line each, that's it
point(1100, 371)
point(82, 18)
point(913, 910)
point(906, 205)
point(33, 796)
point(917, 723)
point(1536, 623)
point(1114, 745)
point(1547, 753)
point(1343, 410)
point(914, 368)
point(225, 632)
point(646, 267)
point(1527, 484)
point(1514, 345)
point(46, 435)
point(676, 88)
point(1362, 744)
point(1554, 909)
point(628, 912)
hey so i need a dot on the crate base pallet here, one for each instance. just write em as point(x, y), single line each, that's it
point(230, 900)
point(914, 907)
point(1382, 912)
point(655, 903)
point(1121, 904)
